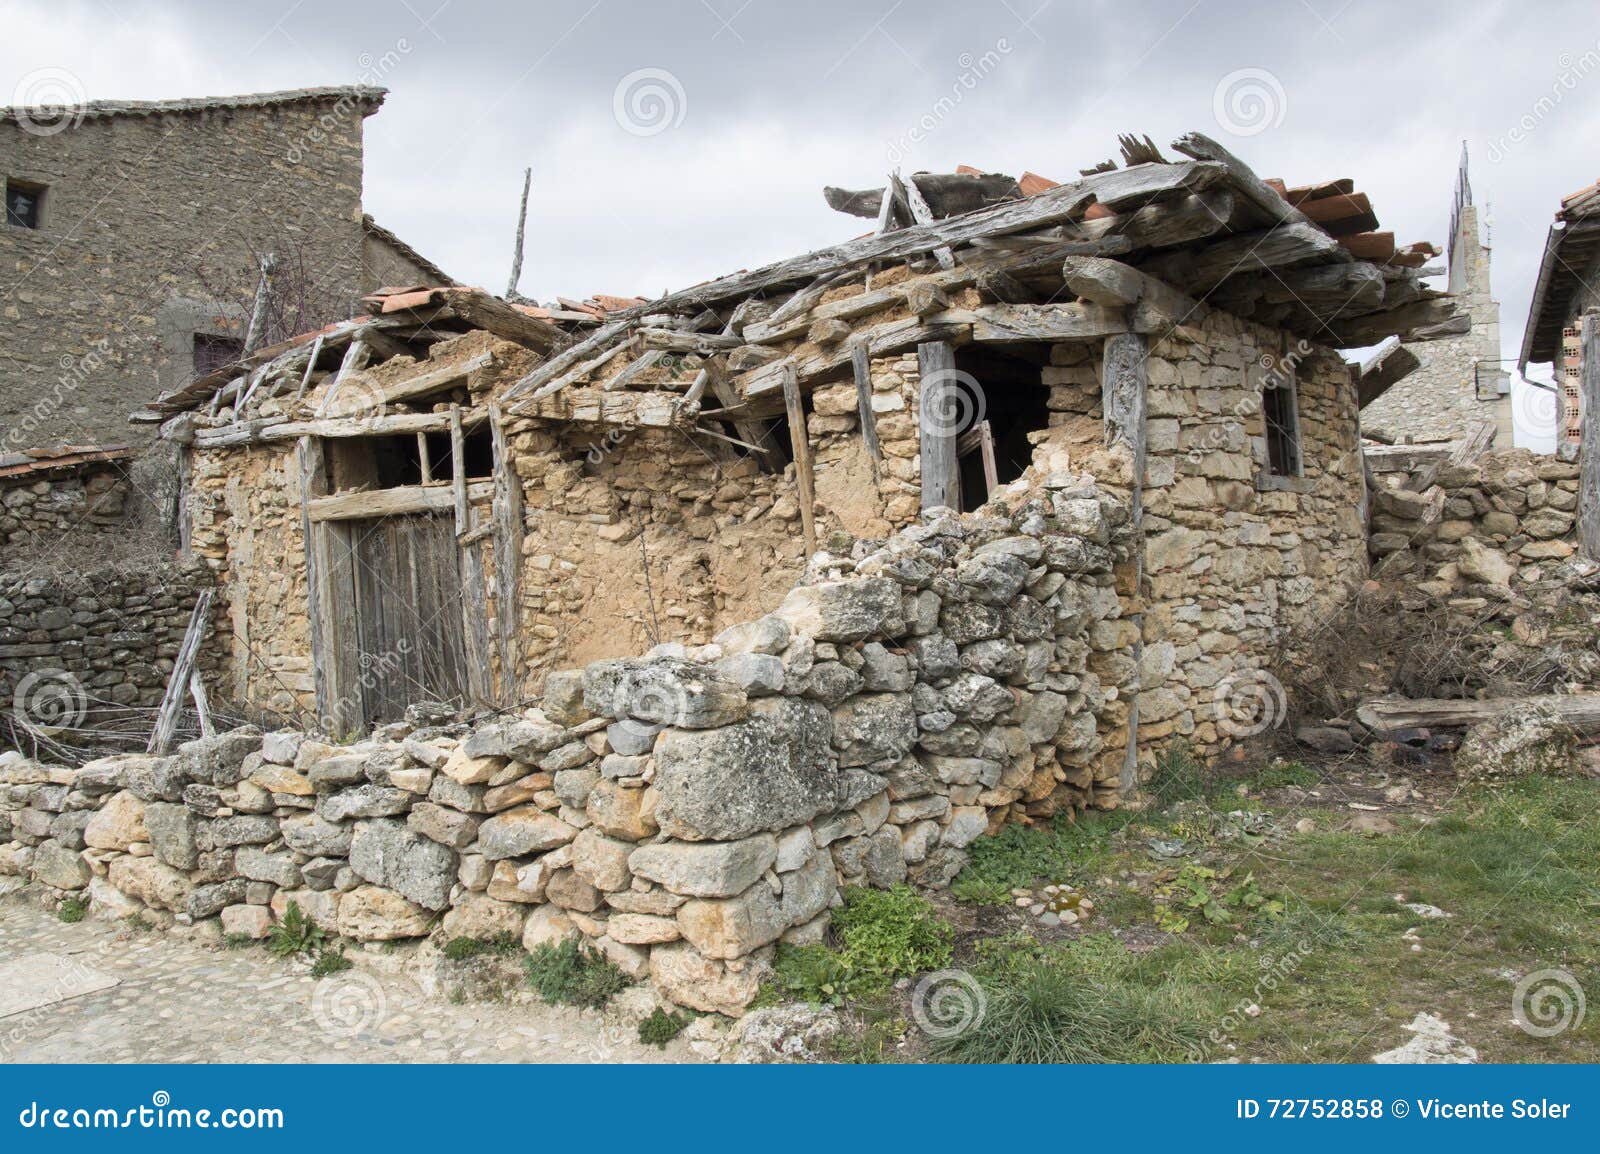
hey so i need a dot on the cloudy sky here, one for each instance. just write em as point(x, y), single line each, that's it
point(675, 140)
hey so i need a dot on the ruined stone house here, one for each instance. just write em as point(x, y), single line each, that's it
point(453, 498)
point(126, 221)
point(1459, 381)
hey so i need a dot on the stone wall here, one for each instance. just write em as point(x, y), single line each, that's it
point(36, 515)
point(141, 222)
point(683, 811)
point(80, 644)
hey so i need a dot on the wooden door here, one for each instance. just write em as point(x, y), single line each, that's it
point(409, 637)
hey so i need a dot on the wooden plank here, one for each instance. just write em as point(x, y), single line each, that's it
point(880, 339)
point(991, 470)
point(424, 458)
point(392, 502)
point(922, 214)
point(1123, 386)
point(800, 440)
point(434, 379)
point(1102, 281)
point(555, 366)
point(1580, 711)
point(751, 432)
point(1589, 439)
point(1247, 252)
point(311, 367)
point(389, 424)
point(507, 559)
point(167, 716)
point(355, 359)
point(474, 607)
point(1124, 189)
point(310, 461)
point(939, 406)
point(1057, 322)
point(1254, 190)
point(861, 370)
point(634, 367)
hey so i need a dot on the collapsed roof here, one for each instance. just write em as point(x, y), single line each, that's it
point(1136, 248)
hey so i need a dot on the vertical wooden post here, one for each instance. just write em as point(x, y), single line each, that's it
point(861, 368)
point(309, 451)
point(424, 458)
point(475, 612)
point(991, 468)
point(1589, 440)
point(1124, 379)
point(507, 558)
point(800, 440)
point(938, 409)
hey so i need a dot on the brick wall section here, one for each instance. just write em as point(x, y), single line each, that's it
point(98, 305)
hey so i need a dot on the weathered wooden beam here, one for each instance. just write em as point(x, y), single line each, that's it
point(393, 424)
point(947, 193)
point(880, 339)
point(474, 598)
point(392, 502)
point(1102, 281)
point(922, 214)
point(939, 408)
point(1273, 248)
point(800, 440)
point(1366, 330)
point(1578, 711)
point(1256, 191)
point(507, 558)
point(178, 683)
point(555, 366)
point(861, 370)
point(1589, 439)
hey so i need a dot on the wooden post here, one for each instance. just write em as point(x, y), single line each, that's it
point(507, 558)
point(861, 367)
point(309, 451)
point(475, 611)
point(522, 222)
point(178, 684)
point(1124, 380)
point(801, 441)
point(1589, 440)
point(991, 468)
point(938, 411)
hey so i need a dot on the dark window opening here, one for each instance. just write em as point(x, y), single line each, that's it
point(213, 352)
point(23, 203)
point(1283, 428)
point(1004, 391)
point(390, 462)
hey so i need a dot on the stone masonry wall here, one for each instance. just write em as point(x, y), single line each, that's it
point(108, 289)
point(86, 642)
point(682, 811)
point(38, 514)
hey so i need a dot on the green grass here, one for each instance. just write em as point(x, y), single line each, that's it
point(330, 961)
point(503, 945)
point(573, 974)
point(880, 935)
point(295, 934)
point(1280, 774)
point(1021, 855)
point(661, 1027)
point(72, 910)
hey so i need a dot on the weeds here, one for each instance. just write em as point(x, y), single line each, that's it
point(295, 934)
point(1020, 855)
point(330, 961)
point(882, 935)
point(503, 945)
point(661, 1027)
point(573, 974)
point(72, 910)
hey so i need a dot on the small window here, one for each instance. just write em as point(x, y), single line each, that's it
point(23, 203)
point(212, 352)
point(1279, 408)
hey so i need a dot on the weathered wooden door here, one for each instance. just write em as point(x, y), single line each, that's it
point(409, 637)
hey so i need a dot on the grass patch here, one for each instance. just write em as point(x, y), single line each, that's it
point(881, 935)
point(1021, 855)
point(1280, 774)
point(72, 910)
point(573, 974)
point(295, 934)
point(502, 945)
point(239, 941)
point(661, 1027)
point(330, 961)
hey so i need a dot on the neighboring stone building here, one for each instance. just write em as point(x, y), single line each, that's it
point(1568, 286)
point(131, 239)
point(1459, 382)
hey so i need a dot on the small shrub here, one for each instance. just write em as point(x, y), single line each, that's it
point(882, 935)
point(573, 974)
point(330, 961)
point(238, 941)
point(295, 934)
point(72, 910)
point(1179, 776)
point(464, 949)
point(661, 1027)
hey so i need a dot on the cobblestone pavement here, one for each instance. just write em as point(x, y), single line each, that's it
point(183, 1001)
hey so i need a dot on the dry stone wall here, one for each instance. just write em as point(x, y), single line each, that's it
point(684, 811)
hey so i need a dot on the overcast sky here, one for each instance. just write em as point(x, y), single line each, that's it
point(680, 139)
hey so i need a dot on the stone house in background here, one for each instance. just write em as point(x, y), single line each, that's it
point(1063, 469)
point(1568, 285)
point(132, 232)
point(1459, 381)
